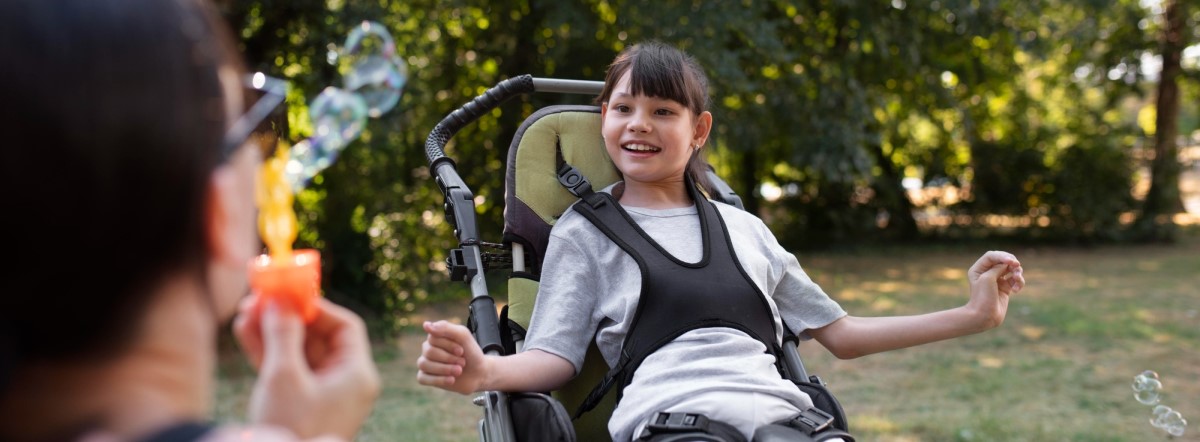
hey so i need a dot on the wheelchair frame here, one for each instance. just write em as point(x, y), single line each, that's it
point(466, 263)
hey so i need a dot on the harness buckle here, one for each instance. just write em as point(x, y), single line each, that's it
point(574, 181)
point(811, 421)
point(677, 422)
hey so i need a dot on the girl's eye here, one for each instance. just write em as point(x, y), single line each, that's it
point(664, 112)
point(621, 108)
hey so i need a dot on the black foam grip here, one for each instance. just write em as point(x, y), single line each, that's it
point(440, 135)
point(486, 324)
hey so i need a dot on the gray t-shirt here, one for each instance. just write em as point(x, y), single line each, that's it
point(590, 288)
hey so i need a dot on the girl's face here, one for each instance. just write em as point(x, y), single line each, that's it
point(650, 139)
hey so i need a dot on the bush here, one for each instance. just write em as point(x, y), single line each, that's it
point(1089, 190)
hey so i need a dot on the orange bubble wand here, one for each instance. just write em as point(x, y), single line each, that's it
point(374, 83)
point(291, 278)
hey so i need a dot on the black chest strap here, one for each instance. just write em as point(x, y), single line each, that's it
point(677, 297)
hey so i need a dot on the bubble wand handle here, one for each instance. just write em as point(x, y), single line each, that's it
point(292, 278)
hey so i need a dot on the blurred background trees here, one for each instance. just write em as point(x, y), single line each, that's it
point(838, 121)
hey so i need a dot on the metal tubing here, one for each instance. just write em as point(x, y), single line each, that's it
point(560, 86)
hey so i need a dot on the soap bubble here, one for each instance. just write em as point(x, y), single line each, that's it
point(1169, 420)
point(379, 80)
point(1147, 387)
point(338, 117)
point(370, 38)
point(371, 67)
point(374, 78)
point(305, 160)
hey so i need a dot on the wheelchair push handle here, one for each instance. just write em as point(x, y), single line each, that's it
point(466, 262)
point(435, 144)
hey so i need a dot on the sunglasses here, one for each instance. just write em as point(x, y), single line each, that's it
point(264, 122)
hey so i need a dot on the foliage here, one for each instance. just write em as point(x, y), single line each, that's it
point(1028, 106)
point(1092, 212)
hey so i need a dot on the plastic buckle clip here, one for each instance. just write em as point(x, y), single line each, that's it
point(677, 422)
point(812, 421)
point(574, 181)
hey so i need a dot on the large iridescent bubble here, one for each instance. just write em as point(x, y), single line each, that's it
point(374, 70)
point(374, 78)
point(379, 81)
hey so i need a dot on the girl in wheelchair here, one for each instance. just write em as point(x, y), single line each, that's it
point(687, 299)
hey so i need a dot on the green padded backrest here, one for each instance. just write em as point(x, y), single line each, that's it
point(534, 200)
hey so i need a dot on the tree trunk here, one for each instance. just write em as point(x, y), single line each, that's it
point(890, 189)
point(749, 182)
point(1163, 199)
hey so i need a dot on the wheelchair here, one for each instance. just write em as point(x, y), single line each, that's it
point(536, 194)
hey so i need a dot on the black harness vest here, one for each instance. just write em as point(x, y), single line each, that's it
point(676, 296)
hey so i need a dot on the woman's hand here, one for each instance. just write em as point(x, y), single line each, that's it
point(451, 359)
point(993, 278)
point(315, 380)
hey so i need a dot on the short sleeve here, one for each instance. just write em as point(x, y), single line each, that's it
point(803, 305)
point(564, 319)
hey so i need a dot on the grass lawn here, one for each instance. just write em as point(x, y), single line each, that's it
point(1059, 369)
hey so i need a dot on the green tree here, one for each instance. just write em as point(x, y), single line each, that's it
point(835, 101)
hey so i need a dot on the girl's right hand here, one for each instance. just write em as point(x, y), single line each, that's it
point(451, 359)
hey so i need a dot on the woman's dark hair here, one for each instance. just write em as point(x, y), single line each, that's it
point(112, 124)
point(663, 71)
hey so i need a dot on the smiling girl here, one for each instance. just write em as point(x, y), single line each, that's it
point(709, 282)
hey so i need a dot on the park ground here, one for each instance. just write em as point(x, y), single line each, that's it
point(1059, 369)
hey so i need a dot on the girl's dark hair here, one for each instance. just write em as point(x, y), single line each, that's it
point(112, 121)
point(663, 71)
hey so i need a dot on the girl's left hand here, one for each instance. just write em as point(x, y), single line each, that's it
point(993, 278)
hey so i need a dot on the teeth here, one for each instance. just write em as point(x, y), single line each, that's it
point(642, 148)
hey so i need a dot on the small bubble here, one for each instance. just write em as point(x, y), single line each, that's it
point(1148, 397)
point(1147, 390)
point(1161, 409)
point(1146, 387)
point(1171, 421)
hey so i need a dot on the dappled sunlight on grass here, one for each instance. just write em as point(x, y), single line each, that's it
point(877, 424)
point(1148, 265)
point(1059, 368)
point(850, 294)
point(1032, 333)
point(990, 362)
point(951, 273)
point(883, 305)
